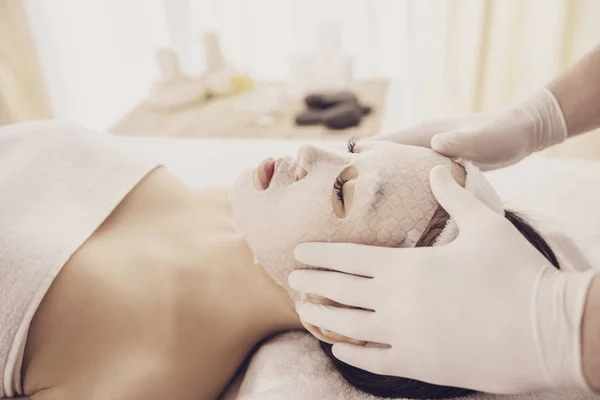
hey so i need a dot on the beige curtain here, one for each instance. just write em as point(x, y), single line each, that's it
point(496, 52)
point(22, 94)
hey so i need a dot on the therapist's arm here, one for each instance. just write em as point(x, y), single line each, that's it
point(568, 106)
point(578, 93)
point(591, 337)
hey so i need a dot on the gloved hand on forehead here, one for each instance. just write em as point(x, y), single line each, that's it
point(486, 312)
point(492, 140)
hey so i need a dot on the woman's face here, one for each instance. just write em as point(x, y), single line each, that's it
point(374, 193)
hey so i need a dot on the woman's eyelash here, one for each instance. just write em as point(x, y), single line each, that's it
point(338, 186)
point(351, 144)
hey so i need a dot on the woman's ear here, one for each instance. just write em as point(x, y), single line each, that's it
point(323, 334)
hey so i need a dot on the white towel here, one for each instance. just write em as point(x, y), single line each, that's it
point(58, 182)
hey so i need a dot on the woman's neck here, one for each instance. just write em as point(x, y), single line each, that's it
point(246, 296)
point(228, 302)
point(245, 299)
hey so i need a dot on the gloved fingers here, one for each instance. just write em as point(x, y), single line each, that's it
point(462, 206)
point(371, 359)
point(452, 144)
point(342, 288)
point(352, 323)
point(355, 259)
point(470, 146)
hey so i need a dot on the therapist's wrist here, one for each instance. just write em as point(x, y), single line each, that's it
point(590, 336)
point(548, 122)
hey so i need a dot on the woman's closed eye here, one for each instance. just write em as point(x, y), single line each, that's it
point(343, 191)
point(338, 186)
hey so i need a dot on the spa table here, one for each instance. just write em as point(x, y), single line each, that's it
point(238, 116)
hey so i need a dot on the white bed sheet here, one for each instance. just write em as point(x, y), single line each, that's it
point(549, 192)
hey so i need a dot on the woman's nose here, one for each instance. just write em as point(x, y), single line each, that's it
point(310, 156)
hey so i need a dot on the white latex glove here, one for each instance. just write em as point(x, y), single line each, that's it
point(492, 140)
point(486, 312)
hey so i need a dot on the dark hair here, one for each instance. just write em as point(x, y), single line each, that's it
point(395, 387)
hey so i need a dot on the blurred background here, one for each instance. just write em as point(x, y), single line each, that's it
point(241, 68)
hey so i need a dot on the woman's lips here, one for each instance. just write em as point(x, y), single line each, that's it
point(264, 173)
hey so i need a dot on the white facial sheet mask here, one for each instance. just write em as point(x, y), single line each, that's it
point(392, 202)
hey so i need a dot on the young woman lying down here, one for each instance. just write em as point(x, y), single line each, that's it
point(120, 282)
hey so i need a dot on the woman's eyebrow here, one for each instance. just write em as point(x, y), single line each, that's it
point(377, 195)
